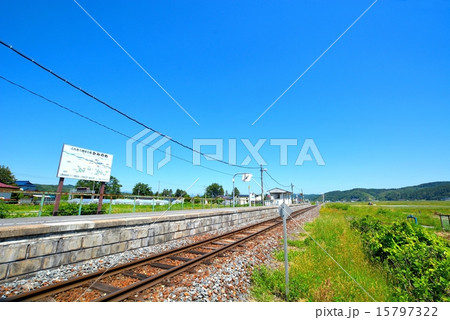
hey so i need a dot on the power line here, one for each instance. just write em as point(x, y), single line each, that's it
point(99, 123)
point(277, 181)
point(117, 110)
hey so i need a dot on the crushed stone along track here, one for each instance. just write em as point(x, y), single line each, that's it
point(126, 282)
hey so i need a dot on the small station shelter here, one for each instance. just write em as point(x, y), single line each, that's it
point(279, 196)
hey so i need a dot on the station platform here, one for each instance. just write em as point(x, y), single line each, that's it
point(30, 245)
point(18, 227)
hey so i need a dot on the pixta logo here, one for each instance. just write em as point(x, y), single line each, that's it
point(151, 146)
point(307, 151)
point(150, 143)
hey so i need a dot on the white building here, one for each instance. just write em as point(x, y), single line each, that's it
point(244, 199)
point(279, 196)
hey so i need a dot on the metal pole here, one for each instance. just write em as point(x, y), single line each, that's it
point(41, 205)
point(262, 187)
point(292, 193)
point(110, 205)
point(81, 204)
point(286, 264)
point(233, 191)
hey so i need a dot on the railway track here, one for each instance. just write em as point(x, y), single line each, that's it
point(127, 281)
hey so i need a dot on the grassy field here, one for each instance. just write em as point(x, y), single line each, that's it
point(27, 210)
point(314, 276)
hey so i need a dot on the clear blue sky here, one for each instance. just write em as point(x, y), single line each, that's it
point(376, 104)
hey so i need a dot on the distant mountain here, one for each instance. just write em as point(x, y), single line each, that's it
point(312, 196)
point(427, 191)
point(53, 187)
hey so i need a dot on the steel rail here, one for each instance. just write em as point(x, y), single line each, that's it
point(158, 278)
point(121, 294)
point(78, 281)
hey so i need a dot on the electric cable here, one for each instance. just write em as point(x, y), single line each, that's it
point(285, 186)
point(99, 123)
point(117, 110)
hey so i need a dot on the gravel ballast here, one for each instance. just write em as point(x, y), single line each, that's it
point(226, 278)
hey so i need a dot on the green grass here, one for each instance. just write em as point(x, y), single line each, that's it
point(29, 210)
point(315, 277)
point(313, 274)
point(389, 212)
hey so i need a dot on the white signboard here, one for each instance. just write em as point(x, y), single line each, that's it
point(246, 177)
point(284, 209)
point(84, 164)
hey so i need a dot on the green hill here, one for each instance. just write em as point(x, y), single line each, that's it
point(426, 191)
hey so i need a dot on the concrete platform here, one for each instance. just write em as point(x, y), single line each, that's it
point(42, 225)
point(29, 245)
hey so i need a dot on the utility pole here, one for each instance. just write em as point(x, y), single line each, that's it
point(262, 187)
point(292, 193)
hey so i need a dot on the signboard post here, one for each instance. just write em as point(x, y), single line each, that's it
point(83, 164)
point(58, 196)
point(100, 198)
point(285, 212)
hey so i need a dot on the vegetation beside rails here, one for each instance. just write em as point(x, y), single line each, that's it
point(417, 260)
point(313, 276)
point(389, 256)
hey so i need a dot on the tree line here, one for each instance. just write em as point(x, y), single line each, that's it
point(214, 190)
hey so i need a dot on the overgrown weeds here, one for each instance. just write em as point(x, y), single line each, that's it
point(418, 261)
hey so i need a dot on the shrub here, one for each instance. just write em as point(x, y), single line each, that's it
point(71, 209)
point(419, 262)
point(4, 211)
point(338, 206)
point(383, 211)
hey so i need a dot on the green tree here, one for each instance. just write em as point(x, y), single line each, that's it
point(167, 193)
point(142, 189)
point(180, 193)
point(6, 176)
point(214, 190)
point(111, 187)
point(236, 192)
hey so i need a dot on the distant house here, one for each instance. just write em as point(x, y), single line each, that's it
point(226, 200)
point(26, 185)
point(279, 196)
point(244, 199)
point(6, 190)
point(81, 190)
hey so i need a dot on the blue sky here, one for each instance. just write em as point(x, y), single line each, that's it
point(376, 104)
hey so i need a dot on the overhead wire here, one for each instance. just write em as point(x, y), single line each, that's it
point(118, 111)
point(99, 123)
point(285, 186)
